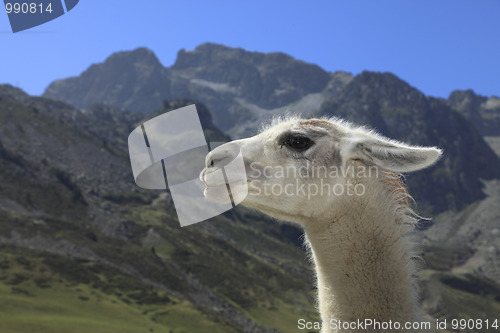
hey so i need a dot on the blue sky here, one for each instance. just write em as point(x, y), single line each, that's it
point(436, 46)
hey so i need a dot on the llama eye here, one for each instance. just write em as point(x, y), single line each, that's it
point(298, 142)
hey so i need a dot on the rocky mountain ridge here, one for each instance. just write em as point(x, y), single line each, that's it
point(247, 89)
point(483, 112)
point(395, 109)
point(231, 82)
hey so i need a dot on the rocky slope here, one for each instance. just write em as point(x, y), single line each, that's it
point(73, 221)
point(397, 110)
point(483, 112)
point(135, 81)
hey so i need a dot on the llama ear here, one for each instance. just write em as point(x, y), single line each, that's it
point(392, 155)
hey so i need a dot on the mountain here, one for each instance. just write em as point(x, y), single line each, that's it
point(269, 80)
point(397, 110)
point(246, 89)
point(135, 81)
point(80, 243)
point(212, 133)
point(83, 249)
point(483, 112)
point(231, 82)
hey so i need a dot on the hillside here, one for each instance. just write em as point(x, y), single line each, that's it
point(81, 243)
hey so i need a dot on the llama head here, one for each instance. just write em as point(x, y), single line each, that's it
point(297, 168)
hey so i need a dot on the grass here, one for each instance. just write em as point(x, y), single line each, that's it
point(33, 291)
point(451, 296)
point(234, 272)
point(185, 319)
point(61, 309)
point(35, 298)
point(263, 291)
point(49, 293)
point(284, 316)
point(42, 292)
point(81, 309)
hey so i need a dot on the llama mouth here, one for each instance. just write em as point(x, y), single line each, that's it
point(225, 184)
point(223, 188)
point(212, 177)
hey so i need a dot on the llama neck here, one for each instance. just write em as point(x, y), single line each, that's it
point(363, 264)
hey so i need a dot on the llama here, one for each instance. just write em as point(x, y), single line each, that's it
point(342, 185)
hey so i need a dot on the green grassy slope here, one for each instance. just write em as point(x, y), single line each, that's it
point(84, 250)
point(36, 299)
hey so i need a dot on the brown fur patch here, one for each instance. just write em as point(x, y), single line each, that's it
point(396, 187)
point(322, 123)
point(317, 122)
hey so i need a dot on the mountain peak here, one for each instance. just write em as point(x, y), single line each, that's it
point(212, 52)
point(465, 101)
point(132, 80)
point(269, 80)
point(137, 52)
point(382, 80)
point(140, 54)
point(483, 112)
point(376, 88)
point(10, 92)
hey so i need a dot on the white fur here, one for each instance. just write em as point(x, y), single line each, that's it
point(363, 262)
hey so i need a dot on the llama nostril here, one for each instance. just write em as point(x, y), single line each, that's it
point(209, 161)
point(221, 156)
